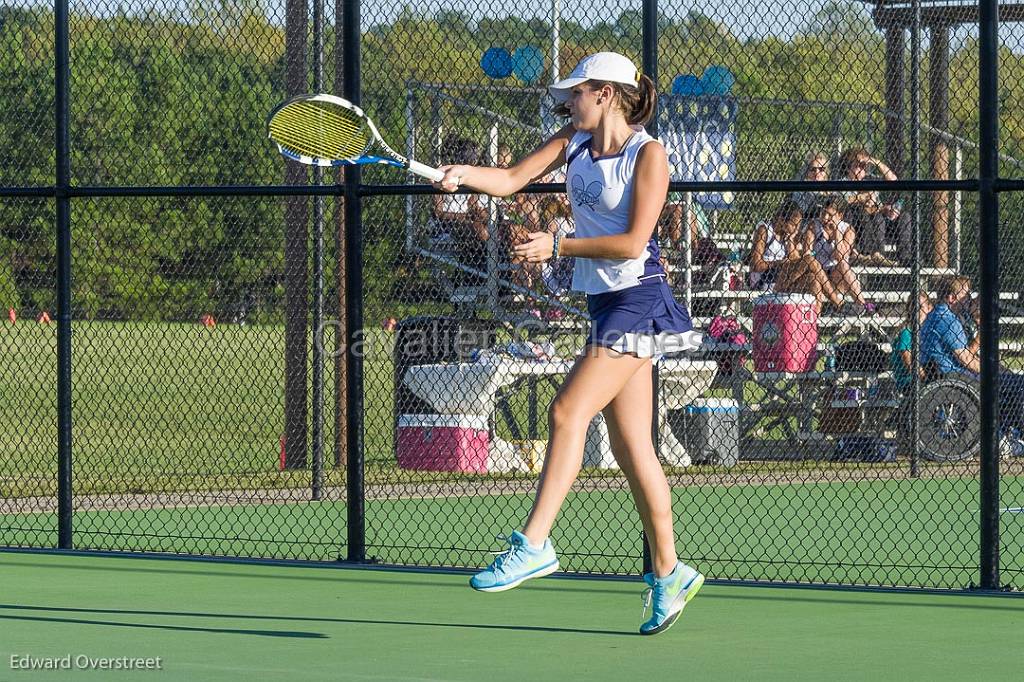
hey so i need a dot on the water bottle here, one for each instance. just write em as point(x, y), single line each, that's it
point(830, 358)
point(872, 391)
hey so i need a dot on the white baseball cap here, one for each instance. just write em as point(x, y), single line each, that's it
point(600, 66)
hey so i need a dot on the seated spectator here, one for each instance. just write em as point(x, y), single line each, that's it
point(876, 223)
point(780, 260)
point(704, 253)
point(769, 247)
point(831, 240)
point(462, 217)
point(900, 359)
point(519, 211)
point(943, 338)
point(504, 159)
point(815, 170)
point(672, 219)
point(555, 216)
point(946, 347)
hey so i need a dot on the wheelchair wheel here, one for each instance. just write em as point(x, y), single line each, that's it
point(949, 414)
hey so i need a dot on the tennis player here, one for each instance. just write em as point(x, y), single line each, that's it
point(617, 181)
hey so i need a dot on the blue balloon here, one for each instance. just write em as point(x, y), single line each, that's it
point(496, 62)
point(717, 80)
point(528, 63)
point(686, 84)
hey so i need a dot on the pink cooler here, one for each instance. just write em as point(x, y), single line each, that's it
point(785, 333)
point(443, 442)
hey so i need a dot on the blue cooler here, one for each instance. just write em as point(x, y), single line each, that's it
point(711, 431)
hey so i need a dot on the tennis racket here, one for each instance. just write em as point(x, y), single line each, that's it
point(324, 130)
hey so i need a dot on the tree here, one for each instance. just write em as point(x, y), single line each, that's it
point(842, 20)
point(8, 289)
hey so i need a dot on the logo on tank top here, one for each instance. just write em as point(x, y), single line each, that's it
point(586, 195)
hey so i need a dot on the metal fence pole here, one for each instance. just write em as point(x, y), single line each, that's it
point(354, 302)
point(988, 289)
point(318, 274)
point(915, 220)
point(296, 257)
point(650, 52)
point(62, 82)
point(650, 69)
point(339, 304)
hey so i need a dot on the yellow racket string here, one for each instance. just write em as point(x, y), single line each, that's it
point(319, 130)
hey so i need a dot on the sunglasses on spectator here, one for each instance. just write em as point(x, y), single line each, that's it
point(818, 169)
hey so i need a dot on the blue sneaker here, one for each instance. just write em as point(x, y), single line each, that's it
point(518, 563)
point(669, 595)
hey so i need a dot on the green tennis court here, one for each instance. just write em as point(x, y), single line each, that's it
point(220, 621)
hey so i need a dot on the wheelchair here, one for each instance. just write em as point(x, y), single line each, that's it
point(948, 415)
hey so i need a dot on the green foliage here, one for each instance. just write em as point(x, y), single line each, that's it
point(162, 100)
point(8, 289)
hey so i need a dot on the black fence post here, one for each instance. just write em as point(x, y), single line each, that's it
point(988, 289)
point(296, 256)
point(650, 69)
point(354, 303)
point(650, 50)
point(62, 82)
point(915, 220)
point(318, 274)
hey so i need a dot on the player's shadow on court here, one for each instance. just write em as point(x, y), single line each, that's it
point(4, 608)
point(351, 574)
point(147, 626)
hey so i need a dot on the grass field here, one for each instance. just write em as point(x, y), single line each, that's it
point(161, 406)
point(167, 406)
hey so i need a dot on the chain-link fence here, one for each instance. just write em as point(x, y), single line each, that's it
point(272, 361)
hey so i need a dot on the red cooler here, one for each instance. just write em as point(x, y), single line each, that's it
point(785, 333)
point(443, 442)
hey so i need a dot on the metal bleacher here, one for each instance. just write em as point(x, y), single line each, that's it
point(494, 293)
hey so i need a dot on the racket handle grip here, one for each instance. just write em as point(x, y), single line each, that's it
point(425, 171)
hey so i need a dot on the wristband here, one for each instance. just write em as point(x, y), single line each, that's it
point(554, 247)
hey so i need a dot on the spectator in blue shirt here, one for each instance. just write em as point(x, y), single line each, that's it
point(944, 341)
point(900, 358)
point(946, 344)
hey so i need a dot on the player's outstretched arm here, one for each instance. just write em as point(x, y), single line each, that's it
point(501, 182)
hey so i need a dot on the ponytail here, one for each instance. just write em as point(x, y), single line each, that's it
point(638, 101)
point(641, 111)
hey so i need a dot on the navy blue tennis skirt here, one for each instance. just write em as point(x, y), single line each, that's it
point(644, 320)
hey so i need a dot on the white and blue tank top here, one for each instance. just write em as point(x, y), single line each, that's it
point(601, 193)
